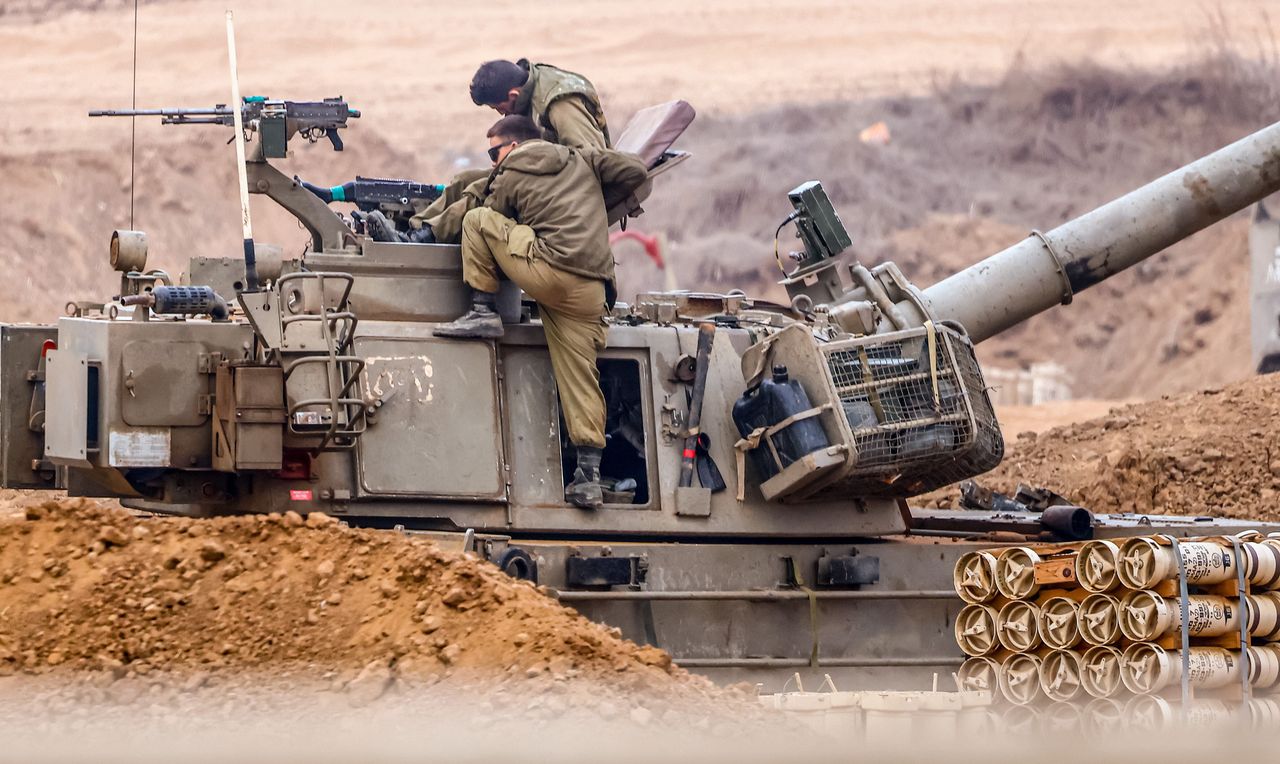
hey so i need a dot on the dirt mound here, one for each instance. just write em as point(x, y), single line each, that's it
point(1214, 452)
point(86, 589)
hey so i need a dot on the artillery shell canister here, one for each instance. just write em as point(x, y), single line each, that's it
point(976, 630)
point(1264, 713)
point(1018, 626)
point(1096, 565)
point(1016, 573)
point(1151, 713)
point(1021, 721)
point(1262, 561)
point(975, 577)
point(1264, 666)
point(1062, 719)
point(1264, 616)
point(1059, 626)
point(1146, 616)
point(1144, 562)
point(1099, 619)
point(979, 674)
point(1020, 679)
point(1060, 676)
point(1149, 668)
point(1102, 671)
point(1103, 716)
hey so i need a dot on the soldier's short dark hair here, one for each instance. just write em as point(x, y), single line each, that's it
point(494, 80)
point(515, 127)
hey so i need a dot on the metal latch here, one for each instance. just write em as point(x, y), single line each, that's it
point(207, 363)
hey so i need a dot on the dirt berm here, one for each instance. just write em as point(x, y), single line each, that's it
point(1214, 452)
point(88, 591)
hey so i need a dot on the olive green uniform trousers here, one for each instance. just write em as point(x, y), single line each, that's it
point(444, 215)
point(572, 309)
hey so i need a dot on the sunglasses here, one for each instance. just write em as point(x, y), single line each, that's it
point(493, 150)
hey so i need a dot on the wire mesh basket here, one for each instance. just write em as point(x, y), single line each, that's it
point(909, 410)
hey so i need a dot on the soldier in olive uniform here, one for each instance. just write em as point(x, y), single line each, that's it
point(542, 223)
point(564, 104)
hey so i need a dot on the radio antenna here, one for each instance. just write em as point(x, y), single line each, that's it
point(133, 121)
point(250, 264)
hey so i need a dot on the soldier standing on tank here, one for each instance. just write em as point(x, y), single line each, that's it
point(542, 223)
point(564, 104)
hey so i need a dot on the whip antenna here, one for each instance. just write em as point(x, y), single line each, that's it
point(250, 265)
point(133, 121)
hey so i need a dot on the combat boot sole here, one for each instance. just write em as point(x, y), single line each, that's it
point(584, 493)
point(472, 327)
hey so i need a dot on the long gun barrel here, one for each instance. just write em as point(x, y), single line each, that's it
point(275, 120)
point(169, 115)
point(1046, 269)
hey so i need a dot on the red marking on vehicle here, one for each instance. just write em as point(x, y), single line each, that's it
point(295, 465)
point(300, 495)
point(47, 346)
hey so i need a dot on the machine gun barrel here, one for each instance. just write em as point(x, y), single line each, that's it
point(217, 110)
point(275, 120)
point(1046, 269)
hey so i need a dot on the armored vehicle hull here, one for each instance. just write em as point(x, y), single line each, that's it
point(325, 390)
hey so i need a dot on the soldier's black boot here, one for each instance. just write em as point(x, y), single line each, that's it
point(482, 322)
point(585, 490)
point(423, 235)
point(381, 229)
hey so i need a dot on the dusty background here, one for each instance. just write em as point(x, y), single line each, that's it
point(1004, 118)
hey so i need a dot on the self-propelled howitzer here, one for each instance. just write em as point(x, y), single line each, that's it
point(326, 391)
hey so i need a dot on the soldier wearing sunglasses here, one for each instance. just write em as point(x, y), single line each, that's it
point(543, 223)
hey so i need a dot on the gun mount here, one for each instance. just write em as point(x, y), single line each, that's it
point(326, 391)
point(275, 122)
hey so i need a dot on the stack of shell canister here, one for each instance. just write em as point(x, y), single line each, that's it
point(1088, 635)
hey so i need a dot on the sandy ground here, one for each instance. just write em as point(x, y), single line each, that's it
point(1212, 452)
point(1045, 416)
